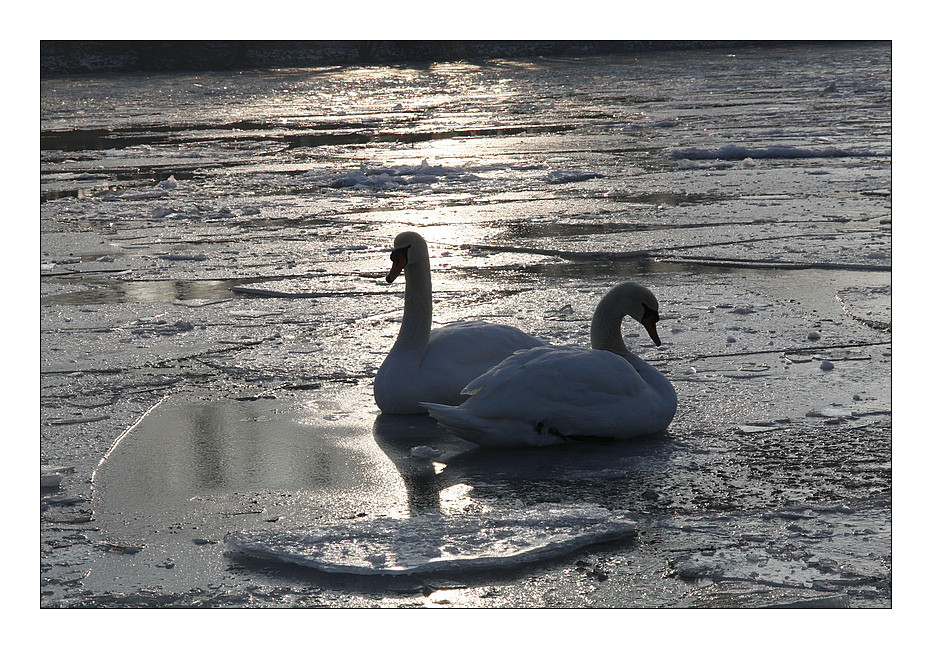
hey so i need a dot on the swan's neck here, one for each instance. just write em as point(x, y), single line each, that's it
point(605, 332)
point(417, 318)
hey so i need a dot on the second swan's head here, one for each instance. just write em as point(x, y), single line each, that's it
point(409, 248)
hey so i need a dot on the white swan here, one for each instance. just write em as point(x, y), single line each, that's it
point(435, 366)
point(550, 395)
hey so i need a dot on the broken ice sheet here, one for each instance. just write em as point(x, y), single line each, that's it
point(436, 542)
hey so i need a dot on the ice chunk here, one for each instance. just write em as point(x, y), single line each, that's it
point(436, 542)
point(562, 176)
point(177, 256)
point(50, 480)
point(424, 452)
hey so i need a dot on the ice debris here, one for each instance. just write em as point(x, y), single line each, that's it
point(424, 452)
point(562, 176)
point(50, 480)
point(436, 542)
point(169, 183)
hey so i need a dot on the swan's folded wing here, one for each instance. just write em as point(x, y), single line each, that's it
point(554, 375)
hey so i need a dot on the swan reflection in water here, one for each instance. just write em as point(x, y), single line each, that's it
point(442, 472)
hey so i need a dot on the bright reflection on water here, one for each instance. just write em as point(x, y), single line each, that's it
point(247, 456)
point(225, 465)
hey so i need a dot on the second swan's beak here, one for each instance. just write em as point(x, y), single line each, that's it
point(399, 261)
point(650, 323)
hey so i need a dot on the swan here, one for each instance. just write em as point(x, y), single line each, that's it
point(435, 365)
point(551, 395)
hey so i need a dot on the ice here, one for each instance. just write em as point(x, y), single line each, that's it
point(425, 452)
point(50, 480)
point(399, 176)
point(829, 549)
point(738, 152)
point(169, 183)
point(561, 176)
point(438, 542)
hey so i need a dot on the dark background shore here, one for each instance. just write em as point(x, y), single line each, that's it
point(100, 56)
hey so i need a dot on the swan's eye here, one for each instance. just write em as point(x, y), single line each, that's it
point(399, 255)
point(649, 314)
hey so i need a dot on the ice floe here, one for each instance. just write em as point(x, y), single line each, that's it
point(436, 542)
point(561, 176)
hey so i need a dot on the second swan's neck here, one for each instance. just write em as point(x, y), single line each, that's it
point(417, 318)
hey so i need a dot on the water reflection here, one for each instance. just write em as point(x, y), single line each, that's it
point(442, 472)
point(203, 460)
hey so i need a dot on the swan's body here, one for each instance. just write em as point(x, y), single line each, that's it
point(427, 365)
point(550, 395)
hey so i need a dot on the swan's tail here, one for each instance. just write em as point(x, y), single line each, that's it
point(489, 432)
point(459, 422)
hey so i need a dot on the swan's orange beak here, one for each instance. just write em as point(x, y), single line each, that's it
point(399, 261)
point(650, 323)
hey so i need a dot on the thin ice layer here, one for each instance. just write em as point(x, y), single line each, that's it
point(437, 542)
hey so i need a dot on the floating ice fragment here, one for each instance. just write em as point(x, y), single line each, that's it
point(162, 328)
point(50, 480)
point(829, 412)
point(172, 256)
point(438, 543)
point(754, 429)
point(562, 176)
point(424, 452)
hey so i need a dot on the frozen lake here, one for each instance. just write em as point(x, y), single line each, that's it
point(214, 310)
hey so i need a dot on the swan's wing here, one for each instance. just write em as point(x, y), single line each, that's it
point(573, 392)
point(550, 395)
point(558, 374)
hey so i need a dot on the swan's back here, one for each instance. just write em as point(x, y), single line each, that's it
point(469, 349)
point(455, 355)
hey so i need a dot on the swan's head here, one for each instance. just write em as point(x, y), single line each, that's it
point(634, 300)
point(410, 248)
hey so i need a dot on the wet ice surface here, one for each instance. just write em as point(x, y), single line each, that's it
point(218, 241)
point(436, 542)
